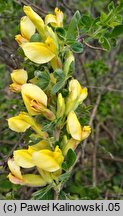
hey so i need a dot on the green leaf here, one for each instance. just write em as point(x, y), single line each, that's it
point(105, 43)
point(72, 28)
point(59, 74)
point(70, 160)
point(64, 176)
point(86, 20)
point(61, 33)
point(58, 86)
point(111, 6)
point(43, 78)
point(43, 194)
point(118, 30)
point(35, 38)
point(77, 47)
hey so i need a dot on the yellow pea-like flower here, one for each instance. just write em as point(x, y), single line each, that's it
point(24, 121)
point(77, 132)
point(39, 52)
point(60, 106)
point(33, 98)
point(17, 124)
point(28, 179)
point(76, 95)
point(35, 101)
point(55, 20)
point(74, 127)
point(48, 160)
point(36, 20)
point(19, 77)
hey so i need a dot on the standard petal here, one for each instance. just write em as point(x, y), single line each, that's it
point(74, 126)
point(23, 158)
point(27, 28)
point(37, 52)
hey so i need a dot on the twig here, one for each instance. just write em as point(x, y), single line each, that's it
point(105, 88)
point(93, 114)
point(7, 142)
point(94, 170)
point(93, 47)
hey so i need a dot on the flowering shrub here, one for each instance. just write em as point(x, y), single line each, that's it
point(51, 96)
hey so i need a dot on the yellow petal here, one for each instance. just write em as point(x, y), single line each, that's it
point(50, 18)
point(59, 17)
point(27, 28)
point(36, 20)
point(14, 168)
point(33, 180)
point(20, 40)
point(86, 130)
point(37, 52)
point(74, 126)
point(19, 76)
point(44, 159)
point(23, 158)
point(76, 95)
point(60, 106)
point(14, 87)
point(43, 144)
point(58, 155)
point(83, 94)
point(31, 92)
point(14, 179)
point(71, 144)
point(17, 124)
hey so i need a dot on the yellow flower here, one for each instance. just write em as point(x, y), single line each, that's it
point(19, 77)
point(77, 132)
point(55, 20)
point(48, 160)
point(24, 121)
point(39, 52)
point(44, 159)
point(74, 127)
point(76, 95)
point(36, 20)
point(35, 101)
point(60, 106)
point(28, 179)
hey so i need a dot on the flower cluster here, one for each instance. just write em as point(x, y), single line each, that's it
point(41, 45)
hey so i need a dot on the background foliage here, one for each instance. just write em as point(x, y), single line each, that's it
point(98, 173)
